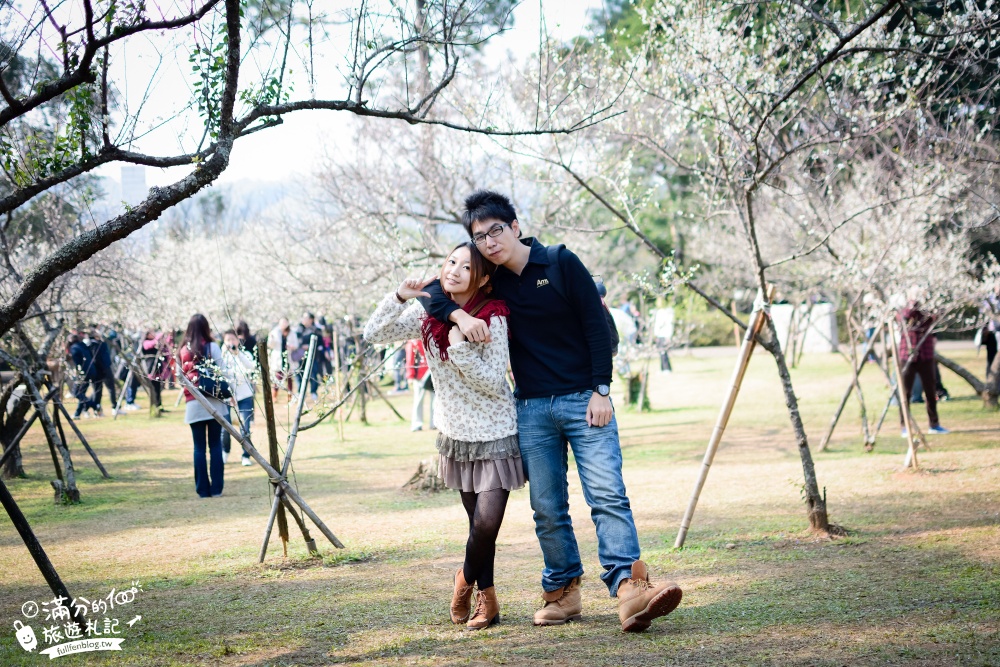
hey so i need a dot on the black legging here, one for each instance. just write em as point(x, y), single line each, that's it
point(485, 512)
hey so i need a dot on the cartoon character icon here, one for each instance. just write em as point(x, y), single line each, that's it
point(25, 636)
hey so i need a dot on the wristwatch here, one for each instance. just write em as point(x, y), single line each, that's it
point(602, 389)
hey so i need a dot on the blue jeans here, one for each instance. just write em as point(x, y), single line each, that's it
point(84, 403)
point(313, 377)
point(544, 426)
point(244, 407)
point(207, 476)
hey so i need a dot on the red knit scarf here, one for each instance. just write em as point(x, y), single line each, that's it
point(437, 331)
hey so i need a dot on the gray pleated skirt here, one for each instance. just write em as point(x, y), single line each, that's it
point(480, 465)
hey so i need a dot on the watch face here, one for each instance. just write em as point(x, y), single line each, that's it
point(603, 389)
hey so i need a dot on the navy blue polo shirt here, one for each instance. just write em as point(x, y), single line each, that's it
point(558, 345)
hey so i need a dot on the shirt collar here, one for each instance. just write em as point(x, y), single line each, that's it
point(538, 254)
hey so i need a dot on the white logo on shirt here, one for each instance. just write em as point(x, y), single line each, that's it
point(542, 282)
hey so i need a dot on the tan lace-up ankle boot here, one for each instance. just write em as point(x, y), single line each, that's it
point(639, 601)
point(461, 599)
point(487, 610)
point(561, 605)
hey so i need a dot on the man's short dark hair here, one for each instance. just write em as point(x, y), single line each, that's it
point(487, 205)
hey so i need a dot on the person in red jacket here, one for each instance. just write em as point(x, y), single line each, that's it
point(917, 336)
point(198, 352)
point(423, 385)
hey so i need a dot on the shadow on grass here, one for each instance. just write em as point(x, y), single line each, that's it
point(764, 602)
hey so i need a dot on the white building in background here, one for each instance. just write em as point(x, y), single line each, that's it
point(134, 189)
point(819, 334)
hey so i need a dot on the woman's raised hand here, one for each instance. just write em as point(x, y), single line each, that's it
point(413, 287)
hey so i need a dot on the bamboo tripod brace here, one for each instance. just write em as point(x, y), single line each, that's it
point(276, 477)
point(290, 446)
point(761, 312)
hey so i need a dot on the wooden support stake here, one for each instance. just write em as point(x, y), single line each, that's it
point(885, 411)
point(865, 432)
point(736, 327)
point(803, 333)
point(83, 440)
point(847, 394)
point(355, 398)
point(121, 397)
point(758, 317)
point(17, 438)
point(37, 552)
point(904, 401)
point(272, 448)
point(337, 380)
point(24, 429)
point(128, 378)
point(374, 385)
point(289, 447)
point(310, 542)
point(59, 428)
point(261, 461)
point(67, 476)
point(350, 394)
point(52, 447)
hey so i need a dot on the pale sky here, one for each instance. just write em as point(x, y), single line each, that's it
point(295, 149)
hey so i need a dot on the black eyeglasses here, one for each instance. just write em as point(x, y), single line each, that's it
point(493, 232)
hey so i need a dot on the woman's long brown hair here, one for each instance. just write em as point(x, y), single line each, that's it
point(198, 334)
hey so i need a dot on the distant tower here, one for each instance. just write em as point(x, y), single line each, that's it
point(134, 188)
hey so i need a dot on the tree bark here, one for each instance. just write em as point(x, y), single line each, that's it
point(272, 440)
point(68, 491)
point(988, 391)
point(69, 255)
point(10, 425)
point(815, 502)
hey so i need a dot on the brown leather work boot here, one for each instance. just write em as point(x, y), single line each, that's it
point(639, 601)
point(487, 610)
point(561, 605)
point(461, 599)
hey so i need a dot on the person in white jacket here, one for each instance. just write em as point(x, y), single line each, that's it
point(241, 372)
point(280, 344)
point(475, 414)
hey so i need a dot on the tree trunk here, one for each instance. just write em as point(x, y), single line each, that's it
point(638, 395)
point(427, 478)
point(988, 391)
point(815, 502)
point(10, 426)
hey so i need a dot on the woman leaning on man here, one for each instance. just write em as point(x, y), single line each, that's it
point(475, 414)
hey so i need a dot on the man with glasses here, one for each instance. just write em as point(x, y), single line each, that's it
point(560, 353)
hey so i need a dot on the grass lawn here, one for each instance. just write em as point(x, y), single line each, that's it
point(917, 581)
